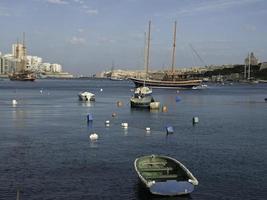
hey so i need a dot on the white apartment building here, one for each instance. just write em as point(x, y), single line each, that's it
point(56, 68)
point(12, 62)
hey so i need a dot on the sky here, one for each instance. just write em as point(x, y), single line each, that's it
point(87, 36)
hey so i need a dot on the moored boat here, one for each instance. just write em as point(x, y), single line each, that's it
point(86, 96)
point(164, 175)
point(186, 84)
point(141, 98)
point(22, 76)
point(169, 80)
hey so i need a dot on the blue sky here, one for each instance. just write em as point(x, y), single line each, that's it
point(85, 36)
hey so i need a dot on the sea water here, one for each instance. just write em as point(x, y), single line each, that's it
point(46, 152)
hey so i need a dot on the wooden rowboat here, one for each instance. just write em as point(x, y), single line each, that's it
point(164, 175)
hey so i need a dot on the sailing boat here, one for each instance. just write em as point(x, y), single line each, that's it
point(169, 80)
point(142, 95)
point(21, 74)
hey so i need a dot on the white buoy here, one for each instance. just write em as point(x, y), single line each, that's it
point(41, 91)
point(107, 122)
point(124, 125)
point(101, 90)
point(93, 136)
point(14, 102)
point(195, 120)
point(147, 129)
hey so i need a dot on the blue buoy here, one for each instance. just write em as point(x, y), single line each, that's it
point(89, 118)
point(169, 129)
point(177, 99)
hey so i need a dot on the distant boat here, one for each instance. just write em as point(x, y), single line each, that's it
point(186, 84)
point(164, 175)
point(86, 96)
point(141, 98)
point(171, 80)
point(22, 76)
point(115, 78)
point(21, 73)
point(202, 87)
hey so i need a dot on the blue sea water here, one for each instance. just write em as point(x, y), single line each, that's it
point(46, 153)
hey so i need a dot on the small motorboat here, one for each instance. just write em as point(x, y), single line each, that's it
point(203, 86)
point(142, 98)
point(86, 96)
point(164, 175)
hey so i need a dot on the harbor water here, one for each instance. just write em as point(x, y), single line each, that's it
point(46, 152)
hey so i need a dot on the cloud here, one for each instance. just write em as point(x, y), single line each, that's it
point(214, 5)
point(92, 11)
point(249, 28)
point(106, 40)
point(80, 30)
point(57, 1)
point(77, 40)
point(4, 12)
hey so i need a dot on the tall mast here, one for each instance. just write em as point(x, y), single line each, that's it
point(145, 49)
point(24, 59)
point(245, 69)
point(148, 46)
point(173, 49)
point(249, 57)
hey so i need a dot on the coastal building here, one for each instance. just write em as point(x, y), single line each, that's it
point(18, 50)
point(10, 63)
point(251, 59)
point(263, 66)
point(56, 68)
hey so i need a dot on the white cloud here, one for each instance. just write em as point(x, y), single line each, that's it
point(57, 1)
point(106, 40)
point(249, 28)
point(80, 30)
point(214, 5)
point(4, 12)
point(77, 40)
point(92, 11)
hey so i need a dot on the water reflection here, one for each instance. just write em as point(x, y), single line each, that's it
point(86, 103)
point(93, 144)
point(144, 194)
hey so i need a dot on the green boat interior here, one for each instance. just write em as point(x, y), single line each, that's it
point(155, 168)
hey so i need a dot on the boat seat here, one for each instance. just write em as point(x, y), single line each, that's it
point(156, 169)
point(155, 163)
point(165, 176)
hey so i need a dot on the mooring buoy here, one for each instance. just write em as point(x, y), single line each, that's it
point(195, 120)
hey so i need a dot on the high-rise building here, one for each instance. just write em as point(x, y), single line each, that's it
point(18, 50)
point(251, 59)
